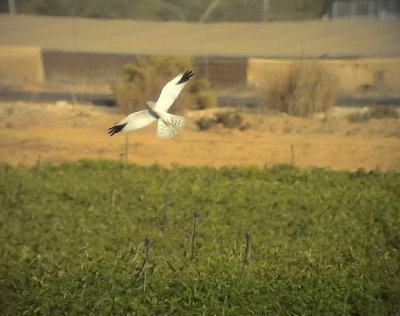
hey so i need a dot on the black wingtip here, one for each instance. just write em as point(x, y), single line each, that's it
point(186, 76)
point(115, 129)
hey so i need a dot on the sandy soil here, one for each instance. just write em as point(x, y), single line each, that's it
point(61, 132)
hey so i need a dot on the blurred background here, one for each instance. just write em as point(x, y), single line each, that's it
point(238, 45)
point(207, 10)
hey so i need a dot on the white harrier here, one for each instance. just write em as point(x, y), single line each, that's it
point(168, 124)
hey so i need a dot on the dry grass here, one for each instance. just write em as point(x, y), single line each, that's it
point(202, 95)
point(226, 118)
point(304, 89)
point(377, 112)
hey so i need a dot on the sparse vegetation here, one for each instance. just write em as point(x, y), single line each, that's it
point(202, 95)
point(104, 238)
point(144, 79)
point(204, 123)
point(229, 119)
point(186, 10)
point(305, 89)
point(376, 112)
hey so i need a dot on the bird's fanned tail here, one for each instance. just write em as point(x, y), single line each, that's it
point(166, 131)
point(168, 125)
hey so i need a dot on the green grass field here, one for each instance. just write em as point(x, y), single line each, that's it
point(72, 241)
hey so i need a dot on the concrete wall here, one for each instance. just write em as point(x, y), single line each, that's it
point(222, 71)
point(84, 67)
point(21, 64)
point(379, 75)
point(92, 68)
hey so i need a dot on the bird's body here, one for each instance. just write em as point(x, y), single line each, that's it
point(168, 124)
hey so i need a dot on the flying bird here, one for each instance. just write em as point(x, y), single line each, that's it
point(168, 124)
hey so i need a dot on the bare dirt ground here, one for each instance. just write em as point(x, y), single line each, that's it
point(59, 132)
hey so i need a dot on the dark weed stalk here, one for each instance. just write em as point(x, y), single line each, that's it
point(298, 195)
point(247, 253)
point(126, 147)
point(292, 155)
point(345, 302)
point(164, 217)
point(147, 244)
point(121, 158)
point(38, 161)
point(196, 215)
point(113, 197)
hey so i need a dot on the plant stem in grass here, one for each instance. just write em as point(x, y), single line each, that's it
point(292, 157)
point(38, 162)
point(126, 147)
point(248, 249)
point(147, 244)
point(196, 215)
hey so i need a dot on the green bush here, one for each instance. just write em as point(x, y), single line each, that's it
point(305, 89)
point(144, 79)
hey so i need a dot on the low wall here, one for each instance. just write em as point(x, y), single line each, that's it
point(21, 64)
point(94, 68)
point(378, 75)
point(222, 71)
point(84, 67)
point(99, 68)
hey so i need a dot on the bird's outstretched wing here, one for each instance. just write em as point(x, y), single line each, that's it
point(166, 131)
point(171, 91)
point(133, 121)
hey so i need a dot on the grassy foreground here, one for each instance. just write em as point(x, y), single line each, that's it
point(72, 241)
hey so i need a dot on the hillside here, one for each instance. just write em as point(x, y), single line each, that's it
point(345, 38)
point(177, 10)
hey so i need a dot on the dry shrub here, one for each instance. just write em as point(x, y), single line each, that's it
point(305, 89)
point(376, 112)
point(143, 81)
point(227, 119)
point(202, 95)
point(205, 123)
